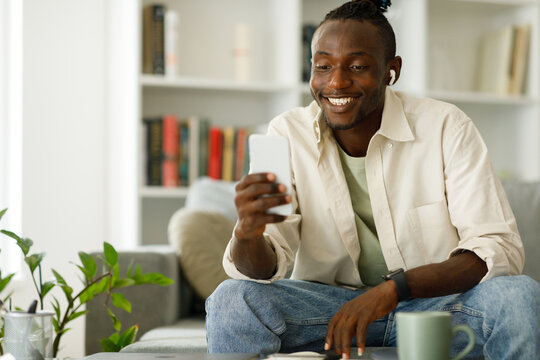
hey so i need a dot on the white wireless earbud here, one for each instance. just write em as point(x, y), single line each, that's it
point(392, 77)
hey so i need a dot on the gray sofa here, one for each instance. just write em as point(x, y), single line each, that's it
point(171, 319)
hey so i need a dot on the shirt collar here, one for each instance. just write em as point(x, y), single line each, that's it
point(394, 124)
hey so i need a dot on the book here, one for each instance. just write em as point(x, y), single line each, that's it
point(520, 54)
point(307, 35)
point(194, 148)
point(204, 126)
point(153, 39)
point(183, 164)
point(496, 61)
point(170, 143)
point(215, 152)
point(240, 153)
point(171, 42)
point(153, 131)
point(228, 154)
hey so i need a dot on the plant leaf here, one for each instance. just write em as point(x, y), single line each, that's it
point(55, 324)
point(116, 272)
point(111, 256)
point(108, 346)
point(23, 243)
point(115, 337)
point(56, 307)
point(121, 302)
point(5, 281)
point(11, 235)
point(156, 278)
point(89, 264)
point(123, 282)
point(2, 213)
point(88, 294)
point(116, 323)
point(46, 287)
point(68, 290)
point(102, 286)
point(128, 337)
point(34, 260)
point(75, 315)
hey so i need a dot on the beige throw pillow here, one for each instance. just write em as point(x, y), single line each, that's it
point(200, 238)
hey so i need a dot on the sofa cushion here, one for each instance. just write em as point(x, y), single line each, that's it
point(524, 199)
point(185, 336)
point(200, 238)
point(212, 195)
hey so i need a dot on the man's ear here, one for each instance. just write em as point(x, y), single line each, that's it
point(394, 70)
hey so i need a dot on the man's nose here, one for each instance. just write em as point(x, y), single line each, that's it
point(339, 79)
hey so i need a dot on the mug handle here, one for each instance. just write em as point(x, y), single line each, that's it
point(469, 346)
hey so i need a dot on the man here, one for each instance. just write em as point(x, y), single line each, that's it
point(381, 181)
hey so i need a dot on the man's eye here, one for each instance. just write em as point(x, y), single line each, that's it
point(321, 67)
point(359, 67)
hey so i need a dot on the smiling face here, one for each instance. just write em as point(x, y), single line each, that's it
point(349, 72)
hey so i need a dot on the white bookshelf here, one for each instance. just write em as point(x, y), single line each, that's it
point(437, 39)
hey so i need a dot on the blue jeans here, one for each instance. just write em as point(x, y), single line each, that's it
point(292, 315)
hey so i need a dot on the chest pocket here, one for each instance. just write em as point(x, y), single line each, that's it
point(433, 231)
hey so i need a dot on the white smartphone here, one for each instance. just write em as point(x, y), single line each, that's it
point(271, 154)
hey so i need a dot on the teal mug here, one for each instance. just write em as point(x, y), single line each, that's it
point(427, 336)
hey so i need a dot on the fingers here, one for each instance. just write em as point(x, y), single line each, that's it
point(343, 340)
point(329, 340)
point(250, 179)
point(361, 339)
point(255, 194)
point(339, 335)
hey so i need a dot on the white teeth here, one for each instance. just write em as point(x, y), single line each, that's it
point(340, 101)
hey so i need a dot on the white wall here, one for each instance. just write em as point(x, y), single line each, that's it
point(10, 126)
point(64, 131)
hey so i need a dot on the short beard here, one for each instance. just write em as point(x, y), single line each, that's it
point(349, 126)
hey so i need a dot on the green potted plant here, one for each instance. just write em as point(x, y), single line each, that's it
point(95, 279)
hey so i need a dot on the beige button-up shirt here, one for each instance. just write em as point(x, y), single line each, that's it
point(432, 187)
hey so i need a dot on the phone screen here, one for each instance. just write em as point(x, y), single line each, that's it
point(271, 154)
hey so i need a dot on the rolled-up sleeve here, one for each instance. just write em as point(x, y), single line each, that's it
point(478, 205)
point(276, 237)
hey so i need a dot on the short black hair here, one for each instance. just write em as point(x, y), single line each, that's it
point(368, 10)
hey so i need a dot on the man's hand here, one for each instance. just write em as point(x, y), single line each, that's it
point(251, 254)
point(354, 317)
point(455, 275)
point(251, 204)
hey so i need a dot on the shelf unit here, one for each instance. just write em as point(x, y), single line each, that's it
point(437, 39)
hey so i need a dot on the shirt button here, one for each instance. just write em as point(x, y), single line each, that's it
point(390, 145)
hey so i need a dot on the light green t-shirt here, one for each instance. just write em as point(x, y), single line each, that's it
point(371, 263)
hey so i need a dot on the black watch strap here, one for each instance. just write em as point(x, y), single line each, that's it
point(398, 276)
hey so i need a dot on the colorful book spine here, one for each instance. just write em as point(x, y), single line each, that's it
point(169, 167)
point(240, 153)
point(153, 130)
point(228, 154)
point(215, 153)
point(194, 129)
point(204, 126)
point(183, 166)
point(307, 35)
point(171, 42)
point(153, 39)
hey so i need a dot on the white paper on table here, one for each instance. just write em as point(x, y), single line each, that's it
point(302, 355)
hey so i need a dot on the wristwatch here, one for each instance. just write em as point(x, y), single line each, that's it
point(398, 276)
